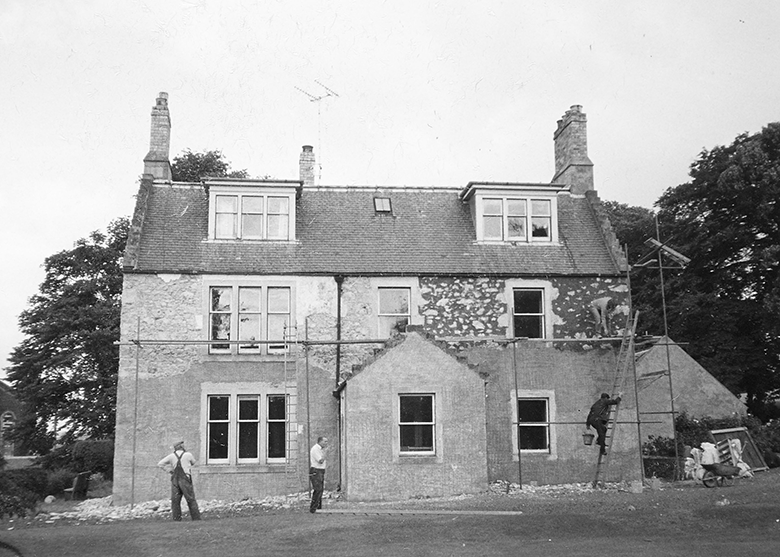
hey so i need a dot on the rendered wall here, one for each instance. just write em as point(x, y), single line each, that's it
point(375, 470)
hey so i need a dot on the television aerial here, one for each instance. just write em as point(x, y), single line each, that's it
point(317, 99)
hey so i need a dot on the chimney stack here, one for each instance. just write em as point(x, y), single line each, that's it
point(306, 165)
point(156, 161)
point(572, 165)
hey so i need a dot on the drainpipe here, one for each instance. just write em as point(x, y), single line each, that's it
point(339, 291)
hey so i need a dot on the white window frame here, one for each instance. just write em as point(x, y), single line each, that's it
point(239, 193)
point(529, 217)
point(235, 392)
point(410, 283)
point(552, 437)
point(381, 315)
point(265, 314)
point(548, 292)
point(431, 424)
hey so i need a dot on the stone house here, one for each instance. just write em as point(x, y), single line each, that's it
point(422, 330)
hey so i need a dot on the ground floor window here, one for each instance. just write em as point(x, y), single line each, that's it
point(417, 424)
point(246, 428)
point(532, 420)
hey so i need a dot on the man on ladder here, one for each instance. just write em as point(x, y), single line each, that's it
point(599, 417)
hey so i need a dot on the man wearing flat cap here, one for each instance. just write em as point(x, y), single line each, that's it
point(179, 465)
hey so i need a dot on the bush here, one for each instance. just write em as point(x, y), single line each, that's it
point(15, 500)
point(33, 480)
point(59, 480)
point(94, 456)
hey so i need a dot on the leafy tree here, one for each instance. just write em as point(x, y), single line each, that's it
point(191, 167)
point(64, 372)
point(725, 302)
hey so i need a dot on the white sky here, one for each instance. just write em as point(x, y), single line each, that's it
point(429, 93)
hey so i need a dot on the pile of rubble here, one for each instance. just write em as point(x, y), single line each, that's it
point(102, 510)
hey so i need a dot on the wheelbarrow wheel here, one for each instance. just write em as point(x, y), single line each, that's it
point(710, 479)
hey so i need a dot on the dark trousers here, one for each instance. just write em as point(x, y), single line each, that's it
point(181, 484)
point(601, 432)
point(317, 478)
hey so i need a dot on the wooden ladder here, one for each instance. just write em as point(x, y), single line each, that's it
point(291, 401)
point(624, 361)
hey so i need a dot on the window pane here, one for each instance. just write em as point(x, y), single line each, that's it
point(515, 207)
point(540, 227)
point(276, 448)
point(248, 409)
point(540, 207)
point(491, 207)
point(278, 205)
point(276, 407)
point(416, 408)
point(252, 226)
point(227, 204)
point(528, 301)
point(218, 440)
point(249, 327)
point(218, 408)
point(252, 204)
point(220, 327)
point(248, 439)
point(278, 300)
point(249, 299)
point(277, 226)
point(516, 227)
point(394, 301)
point(221, 299)
point(225, 226)
point(492, 227)
point(533, 437)
point(416, 438)
point(532, 410)
point(529, 326)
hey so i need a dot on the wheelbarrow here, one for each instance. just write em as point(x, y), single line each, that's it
point(719, 475)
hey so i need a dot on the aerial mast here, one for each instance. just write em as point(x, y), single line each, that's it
point(316, 99)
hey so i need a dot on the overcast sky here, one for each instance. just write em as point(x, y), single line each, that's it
point(424, 93)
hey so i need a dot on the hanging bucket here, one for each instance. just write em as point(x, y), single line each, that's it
point(587, 438)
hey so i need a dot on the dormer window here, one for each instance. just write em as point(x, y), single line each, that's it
point(515, 219)
point(514, 213)
point(252, 210)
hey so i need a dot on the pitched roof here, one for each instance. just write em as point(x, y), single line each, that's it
point(430, 232)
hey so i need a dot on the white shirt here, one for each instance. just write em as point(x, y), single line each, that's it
point(169, 462)
point(317, 457)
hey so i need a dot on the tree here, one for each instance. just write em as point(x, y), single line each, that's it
point(191, 167)
point(64, 372)
point(725, 302)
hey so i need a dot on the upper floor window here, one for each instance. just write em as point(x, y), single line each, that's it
point(417, 424)
point(382, 205)
point(242, 209)
point(249, 313)
point(515, 219)
point(394, 310)
point(528, 312)
point(252, 217)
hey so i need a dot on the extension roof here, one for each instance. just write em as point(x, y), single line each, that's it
point(338, 232)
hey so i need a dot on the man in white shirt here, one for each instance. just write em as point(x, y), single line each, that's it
point(179, 465)
point(317, 466)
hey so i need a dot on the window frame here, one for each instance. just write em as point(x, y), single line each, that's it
point(264, 315)
point(548, 292)
point(266, 192)
point(516, 397)
point(429, 424)
point(528, 215)
point(380, 315)
point(235, 393)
